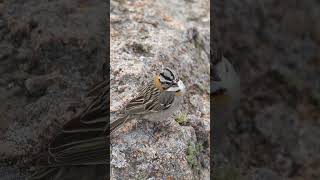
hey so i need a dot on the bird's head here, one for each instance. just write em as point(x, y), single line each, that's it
point(168, 80)
point(225, 87)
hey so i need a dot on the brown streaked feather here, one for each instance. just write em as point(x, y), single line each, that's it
point(88, 132)
point(149, 100)
point(117, 123)
point(82, 140)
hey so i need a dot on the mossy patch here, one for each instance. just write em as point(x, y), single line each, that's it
point(181, 118)
point(193, 151)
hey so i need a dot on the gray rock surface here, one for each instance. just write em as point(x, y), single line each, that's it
point(52, 52)
point(145, 37)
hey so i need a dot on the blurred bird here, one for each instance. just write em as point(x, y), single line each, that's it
point(225, 91)
point(80, 151)
point(224, 85)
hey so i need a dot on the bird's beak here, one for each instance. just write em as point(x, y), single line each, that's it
point(181, 87)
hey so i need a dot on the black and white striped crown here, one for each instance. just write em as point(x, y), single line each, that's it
point(168, 77)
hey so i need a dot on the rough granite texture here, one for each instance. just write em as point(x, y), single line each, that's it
point(145, 37)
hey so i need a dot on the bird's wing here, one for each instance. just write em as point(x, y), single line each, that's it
point(83, 139)
point(98, 109)
point(150, 99)
point(94, 117)
point(165, 101)
point(118, 122)
point(144, 103)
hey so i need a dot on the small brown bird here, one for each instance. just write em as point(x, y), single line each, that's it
point(156, 101)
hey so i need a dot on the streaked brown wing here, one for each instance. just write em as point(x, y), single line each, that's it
point(137, 104)
point(166, 99)
point(150, 100)
point(83, 139)
point(82, 142)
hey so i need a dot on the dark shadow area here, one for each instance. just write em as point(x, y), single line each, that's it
point(52, 54)
point(274, 47)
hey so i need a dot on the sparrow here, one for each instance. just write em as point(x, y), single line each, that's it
point(156, 101)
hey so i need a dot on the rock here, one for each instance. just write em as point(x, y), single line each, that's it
point(285, 164)
point(118, 159)
point(264, 174)
point(37, 85)
point(142, 45)
point(315, 34)
point(308, 146)
point(296, 22)
point(10, 173)
point(279, 125)
point(5, 50)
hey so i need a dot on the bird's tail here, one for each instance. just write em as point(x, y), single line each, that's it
point(84, 172)
point(43, 172)
point(118, 123)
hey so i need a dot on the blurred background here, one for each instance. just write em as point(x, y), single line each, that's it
point(275, 47)
point(51, 53)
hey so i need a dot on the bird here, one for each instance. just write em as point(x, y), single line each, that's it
point(156, 101)
point(225, 94)
point(80, 151)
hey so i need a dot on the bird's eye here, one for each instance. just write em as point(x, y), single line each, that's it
point(178, 90)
